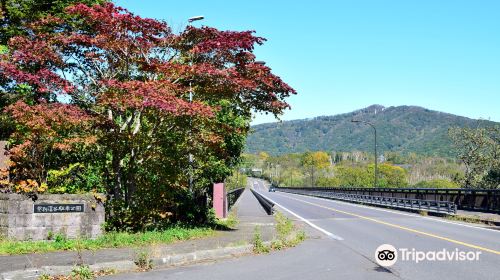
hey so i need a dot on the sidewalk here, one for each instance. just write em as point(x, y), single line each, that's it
point(223, 244)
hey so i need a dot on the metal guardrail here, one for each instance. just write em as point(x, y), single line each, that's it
point(268, 205)
point(485, 200)
point(394, 202)
point(232, 196)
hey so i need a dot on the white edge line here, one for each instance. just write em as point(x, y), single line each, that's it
point(395, 212)
point(329, 234)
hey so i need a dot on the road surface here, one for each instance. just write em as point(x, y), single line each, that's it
point(348, 236)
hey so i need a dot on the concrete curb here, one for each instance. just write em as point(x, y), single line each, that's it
point(199, 256)
point(129, 265)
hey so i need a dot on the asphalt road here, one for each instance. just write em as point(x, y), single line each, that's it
point(348, 236)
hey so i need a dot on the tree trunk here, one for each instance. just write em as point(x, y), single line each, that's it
point(131, 182)
point(117, 176)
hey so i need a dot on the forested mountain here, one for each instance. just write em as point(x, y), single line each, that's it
point(401, 128)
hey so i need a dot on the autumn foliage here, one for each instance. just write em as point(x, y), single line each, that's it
point(109, 90)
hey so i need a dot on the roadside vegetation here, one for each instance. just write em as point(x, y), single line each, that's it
point(237, 179)
point(287, 235)
point(113, 115)
point(479, 152)
point(475, 219)
point(79, 272)
point(356, 169)
point(107, 240)
point(231, 222)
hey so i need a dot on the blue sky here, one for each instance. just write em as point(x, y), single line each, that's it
point(345, 55)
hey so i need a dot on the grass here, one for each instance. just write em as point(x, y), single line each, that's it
point(143, 261)
point(284, 226)
point(287, 236)
point(231, 222)
point(108, 240)
point(259, 246)
point(470, 219)
point(82, 272)
point(423, 213)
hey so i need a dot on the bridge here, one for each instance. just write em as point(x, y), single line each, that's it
point(344, 238)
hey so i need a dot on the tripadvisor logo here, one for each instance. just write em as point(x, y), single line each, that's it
point(387, 255)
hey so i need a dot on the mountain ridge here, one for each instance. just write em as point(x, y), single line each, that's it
point(404, 128)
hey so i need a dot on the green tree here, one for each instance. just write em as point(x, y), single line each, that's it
point(263, 156)
point(390, 176)
point(479, 150)
point(315, 161)
point(15, 15)
point(353, 176)
point(158, 150)
point(437, 183)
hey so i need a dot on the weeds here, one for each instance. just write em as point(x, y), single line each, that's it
point(105, 272)
point(79, 273)
point(143, 261)
point(231, 222)
point(284, 226)
point(423, 213)
point(287, 236)
point(470, 219)
point(258, 244)
point(82, 272)
point(107, 240)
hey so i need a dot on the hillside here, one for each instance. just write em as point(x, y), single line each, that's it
point(401, 128)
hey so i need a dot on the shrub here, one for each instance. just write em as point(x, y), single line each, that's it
point(437, 183)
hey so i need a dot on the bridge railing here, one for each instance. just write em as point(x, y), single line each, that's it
point(232, 196)
point(394, 202)
point(484, 200)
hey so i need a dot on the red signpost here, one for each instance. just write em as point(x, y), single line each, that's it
point(220, 201)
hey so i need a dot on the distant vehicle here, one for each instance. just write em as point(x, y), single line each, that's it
point(272, 188)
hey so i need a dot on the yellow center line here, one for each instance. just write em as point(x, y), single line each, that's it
point(398, 226)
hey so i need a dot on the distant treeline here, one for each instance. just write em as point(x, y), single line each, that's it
point(357, 169)
point(476, 164)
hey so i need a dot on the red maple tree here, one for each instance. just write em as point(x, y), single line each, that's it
point(108, 78)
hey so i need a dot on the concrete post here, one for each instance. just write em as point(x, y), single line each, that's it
point(220, 200)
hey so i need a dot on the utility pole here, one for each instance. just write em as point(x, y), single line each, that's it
point(376, 158)
point(191, 158)
point(312, 176)
point(278, 173)
point(237, 178)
